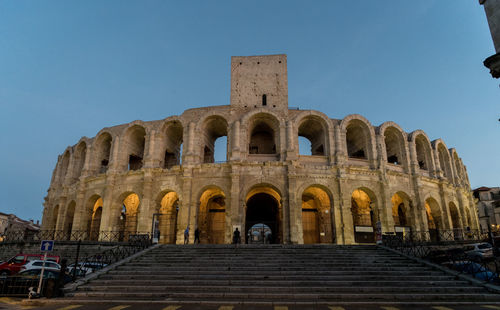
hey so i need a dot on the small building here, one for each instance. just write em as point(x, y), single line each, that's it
point(488, 207)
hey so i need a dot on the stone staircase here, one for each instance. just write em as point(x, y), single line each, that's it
point(279, 274)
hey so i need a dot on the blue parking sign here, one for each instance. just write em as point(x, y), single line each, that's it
point(47, 245)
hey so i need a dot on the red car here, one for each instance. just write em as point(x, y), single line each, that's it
point(13, 265)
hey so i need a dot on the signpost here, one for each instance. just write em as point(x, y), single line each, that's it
point(45, 246)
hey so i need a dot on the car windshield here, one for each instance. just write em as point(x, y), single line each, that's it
point(484, 246)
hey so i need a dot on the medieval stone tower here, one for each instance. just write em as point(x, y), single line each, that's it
point(161, 175)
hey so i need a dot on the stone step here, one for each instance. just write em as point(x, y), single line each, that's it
point(277, 297)
point(359, 269)
point(281, 283)
point(277, 289)
point(277, 277)
point(332, 273)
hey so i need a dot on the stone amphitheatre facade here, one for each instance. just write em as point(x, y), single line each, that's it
point(162, 174)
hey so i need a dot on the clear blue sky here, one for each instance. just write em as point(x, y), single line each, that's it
point(70, 68)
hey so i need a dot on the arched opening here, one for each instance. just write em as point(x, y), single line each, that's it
point(444, 161)
point(64, 166)
point(134, 143)
point(394, 146)
point(364, 215)
point(262, 139)
point(214, 128)
point(95, 222)
point(401, 210)
point(314, 132)
point(316, 216)
point(423, 152)
point(167, 212)
point(53, 218)
point(79, 160)
point(357, 140)
point(68, 221)
point(102, 152)
point(457, 165)
point(172, 145)
point(455, 221)
point(212, 216)
point(263, 213)
point(433, 213)
point(128, 217)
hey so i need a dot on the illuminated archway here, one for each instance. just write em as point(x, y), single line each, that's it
point(433, 218)
point(316, 216)
point(68, 220)
point(128, 217)
point(95, 223)
point(401, 213)
point(364, 215)
point(167, 210)
point(212, 216)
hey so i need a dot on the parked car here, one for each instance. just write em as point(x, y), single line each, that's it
point(479, 250)
point(84, 268)
point(19, 284)
point(13, 265)
point(477, 270)
point(36, 264)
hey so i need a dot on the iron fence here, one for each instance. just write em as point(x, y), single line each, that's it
point(449, 251)
point(61, 235)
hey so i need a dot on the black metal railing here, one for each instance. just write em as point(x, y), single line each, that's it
point(61, 235)
point(449, 251)
point(84, 266)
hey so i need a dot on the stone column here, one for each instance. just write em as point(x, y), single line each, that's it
point(236, 147)
point(146, 206)
point(185, 206)
point(233, 216)
point(291, 152)
point(295, 211)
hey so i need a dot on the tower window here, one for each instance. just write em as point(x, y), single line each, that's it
point(264, 100)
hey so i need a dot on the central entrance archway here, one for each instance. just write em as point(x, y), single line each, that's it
point(263, 211)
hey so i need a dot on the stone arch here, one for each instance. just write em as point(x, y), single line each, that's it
point(79, 159)
point(126, 218)
point(364, 214)
point(94, 210)
point(359, 137)
point(101, 152)
point(54, 214)
point(172, 138)
point(395, 144)
point(456, 161)
point(64, 165)
point(132, 149)
point(444, 158)
point(213, 127)
point(211, 219)
point(434, 219)
point(317, 221)
point(423, 150)
point(263, 214)
point(263, 133)
point(315, 128)
point(403, 213)
point(68, 220)
point(167, 208)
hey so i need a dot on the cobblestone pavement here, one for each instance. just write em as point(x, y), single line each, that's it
point(15, 304)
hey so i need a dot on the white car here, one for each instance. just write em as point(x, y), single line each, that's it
point(36, 264)
point(479, 250)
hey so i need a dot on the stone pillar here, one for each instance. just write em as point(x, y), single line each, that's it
point(86, 170)
point(236, 147)
point(340, 150)
point(109, 217)
point(295, 211)
point(492, 10)
point(291, 152)
point(345, 209)
point(233, 216)
point(114, 160)
point(445, 211)
point(151, 157)
point(68, 179)
point(185, 206)
point(385, 209)
point(146, 206)
point(62, 212)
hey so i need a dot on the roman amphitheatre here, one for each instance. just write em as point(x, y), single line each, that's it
point(161, 175)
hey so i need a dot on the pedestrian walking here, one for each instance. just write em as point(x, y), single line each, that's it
point(186, 235)
point(236, 236)
point(196, 235)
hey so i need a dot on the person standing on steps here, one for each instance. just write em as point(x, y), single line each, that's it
point(236, 236)
point(186, 235)
point(197, 235)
